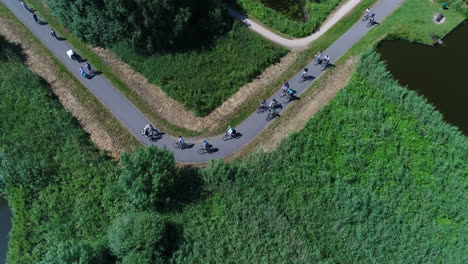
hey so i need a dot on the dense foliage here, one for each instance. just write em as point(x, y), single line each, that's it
point(148, 25)
point(283, 15)
point(147, 178)
point(376, 177)
point(203, 79)
point(140, 235)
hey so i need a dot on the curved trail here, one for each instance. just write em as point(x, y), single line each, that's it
point(298, 43)
point(134, 120)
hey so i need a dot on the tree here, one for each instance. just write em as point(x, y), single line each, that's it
point(148, 177)
point(140, 235)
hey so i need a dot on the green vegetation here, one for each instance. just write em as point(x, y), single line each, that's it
point(149, 25)
point(223, 54)
point(393, 174)
point(203, 80)
point(283, 15)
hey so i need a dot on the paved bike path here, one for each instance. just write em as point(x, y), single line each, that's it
point(297, 43)
point(134, 120)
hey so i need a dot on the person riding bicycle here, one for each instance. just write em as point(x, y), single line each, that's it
point(367, 11)
point(205, 145)
point(272, 103)
point(318, 57)
point(231, 131)
point(147, 129)
point(304, 73)
point(372, 18)
point(326, 59)
point(52, 33)
point(88, 66)
point(262, 103)
point(82, 72)
point(181, 140)
point(291, 92)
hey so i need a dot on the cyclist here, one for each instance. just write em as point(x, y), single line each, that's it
point(82, 72)
point(205, 145)
point(291, 92)
point(372, 18)
point(304, 73)
point(231, 131)
point(52, 33)
point(262, 103)
point(318, 57)
point(286, 85)
point(147, 129)
point(326, 59)
point(181, 140)
point(272, 103)
point(90, 69)
point(367, 11)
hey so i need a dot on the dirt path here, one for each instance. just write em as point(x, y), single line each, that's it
point(301, 43)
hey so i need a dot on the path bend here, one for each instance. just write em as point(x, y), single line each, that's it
point(130, 117)
point(298, 43)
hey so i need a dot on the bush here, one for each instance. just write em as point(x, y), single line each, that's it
point(79, 252)
point(148, 177)
point(141, 234)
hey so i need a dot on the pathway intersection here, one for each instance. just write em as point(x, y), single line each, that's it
point(134, 120)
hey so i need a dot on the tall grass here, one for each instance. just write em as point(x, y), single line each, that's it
point(376, 177)
point(203, 79)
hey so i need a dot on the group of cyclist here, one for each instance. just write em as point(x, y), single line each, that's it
point(320, 59)
point(148, 130)
point(272, 106)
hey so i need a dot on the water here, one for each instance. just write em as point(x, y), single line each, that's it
point(439, 73)
point(5, 226)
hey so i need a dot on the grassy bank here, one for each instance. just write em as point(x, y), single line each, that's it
point(376, 176)
point(280, 15)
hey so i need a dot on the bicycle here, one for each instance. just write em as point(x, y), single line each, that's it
point(228, 136)
point(370, 23)
point(204, 150)
point(283, 93)
point(262, 109)
point(289, 99)
point(271, 115)
point(365, 17)
point(324, 66)
point(178, 145)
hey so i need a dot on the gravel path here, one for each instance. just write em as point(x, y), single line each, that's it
point(134, 120)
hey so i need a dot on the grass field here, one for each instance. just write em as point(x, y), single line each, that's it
point(203, 80)
point(376, 176)
point(280, 15)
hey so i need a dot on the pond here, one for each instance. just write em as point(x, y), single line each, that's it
point(440, 73)
point(5, 226)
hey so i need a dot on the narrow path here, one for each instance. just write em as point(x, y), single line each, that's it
point(300, 43)
point(134, 120)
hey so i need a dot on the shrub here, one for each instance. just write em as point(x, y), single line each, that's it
point(148, 177)
point(140, 234)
